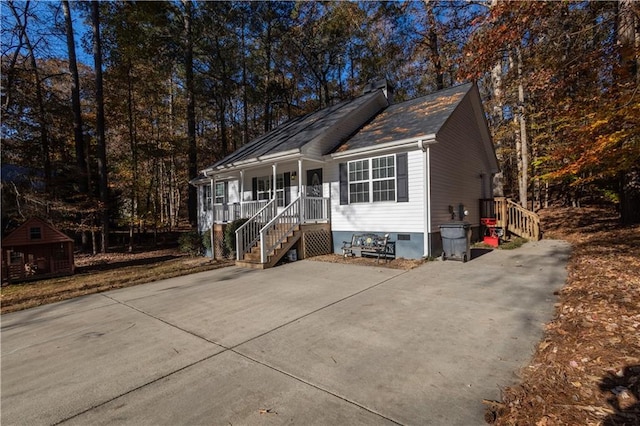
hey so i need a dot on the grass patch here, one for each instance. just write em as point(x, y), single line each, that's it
point(16, 297)
point(513, 243)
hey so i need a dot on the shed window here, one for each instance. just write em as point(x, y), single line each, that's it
point(35, 233)
point(16, 258)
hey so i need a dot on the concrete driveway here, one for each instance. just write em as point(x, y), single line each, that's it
point(304, 343)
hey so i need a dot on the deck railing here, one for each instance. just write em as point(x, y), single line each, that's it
point(248, 234)
point(514, 218)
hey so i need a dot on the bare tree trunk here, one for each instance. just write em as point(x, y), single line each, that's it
point(191, 115)
point(522, 144)
point(100, 126)
point(75, 102)
point(134, 155)
point(628, 37)
point(6, 92)
point(432, 43)
point(42, 114)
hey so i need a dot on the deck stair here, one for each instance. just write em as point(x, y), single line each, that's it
point(517, 220)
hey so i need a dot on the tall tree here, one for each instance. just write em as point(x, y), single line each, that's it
point(101, 142)
point(192, 203)
point(81, 162)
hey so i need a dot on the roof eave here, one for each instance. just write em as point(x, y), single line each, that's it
point(417, 142)
point(291, 154)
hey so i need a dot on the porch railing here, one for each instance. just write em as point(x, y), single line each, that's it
point(315, 210)
point(248, 234)
point(270, 228)
point(228, 212)
point(279, 228)
point(223, 213)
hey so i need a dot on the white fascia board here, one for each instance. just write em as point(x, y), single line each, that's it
point(292, 154)
point(419, 142)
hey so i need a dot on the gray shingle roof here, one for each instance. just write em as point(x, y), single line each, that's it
point(295, 133)
point(420, 116)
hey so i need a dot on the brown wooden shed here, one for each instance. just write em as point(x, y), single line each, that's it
point(36, 250)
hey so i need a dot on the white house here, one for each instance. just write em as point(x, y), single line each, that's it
point(365, 165)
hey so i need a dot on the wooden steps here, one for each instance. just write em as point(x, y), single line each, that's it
point(252, 258)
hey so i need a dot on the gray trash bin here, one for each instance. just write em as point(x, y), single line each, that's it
point(456, 240)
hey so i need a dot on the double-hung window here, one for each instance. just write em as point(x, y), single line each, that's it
point(383, 175)
point(206, 197)
point(220, 193)
point(372, 179)
point(264, 189)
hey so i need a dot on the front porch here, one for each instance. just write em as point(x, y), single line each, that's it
point(268, 235)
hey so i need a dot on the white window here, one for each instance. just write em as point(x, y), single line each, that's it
point(206, 197)
point(264, 189)
point(359, 181)
point(383, 173)
point(376, 176)
point(220, 193)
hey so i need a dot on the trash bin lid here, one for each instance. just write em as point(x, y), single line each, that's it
point(455, 225)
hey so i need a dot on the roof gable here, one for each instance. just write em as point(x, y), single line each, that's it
point(417, 117)
point(21, 236)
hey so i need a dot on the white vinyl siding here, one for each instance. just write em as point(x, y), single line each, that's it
point(380, 217)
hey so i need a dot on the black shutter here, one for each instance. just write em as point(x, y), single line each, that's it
point(254, 188)
point(344, 184)
point(287, 188)
point(402, 195)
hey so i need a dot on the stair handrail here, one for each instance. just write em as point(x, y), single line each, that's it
point(249, 233)
point(278, 234)
point(514, 218)
point(523, 222)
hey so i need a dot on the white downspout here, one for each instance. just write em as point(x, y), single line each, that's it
point(213, 214)
point(428, 201)
point(241, 193)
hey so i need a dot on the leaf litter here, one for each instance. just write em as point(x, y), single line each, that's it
point(586, 369)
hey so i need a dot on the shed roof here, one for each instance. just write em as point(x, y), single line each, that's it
point(21, 236)
point(420, 116)
point(297, 132)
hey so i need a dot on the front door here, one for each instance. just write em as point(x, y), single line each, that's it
point(314, 183)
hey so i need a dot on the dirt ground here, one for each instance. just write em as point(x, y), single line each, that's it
point(586, 370)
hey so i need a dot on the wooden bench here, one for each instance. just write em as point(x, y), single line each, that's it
point(370, 244)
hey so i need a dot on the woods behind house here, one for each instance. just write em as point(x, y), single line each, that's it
point(110, 108)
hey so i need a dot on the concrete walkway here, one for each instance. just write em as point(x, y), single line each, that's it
point(304, 343)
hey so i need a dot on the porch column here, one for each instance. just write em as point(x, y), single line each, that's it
point(273, 187)
point(213, 214)
point(241, 193)
point(300, 194)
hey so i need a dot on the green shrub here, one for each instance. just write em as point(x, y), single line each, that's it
point(230, 235)
point(191, 243)
point(206, 239)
